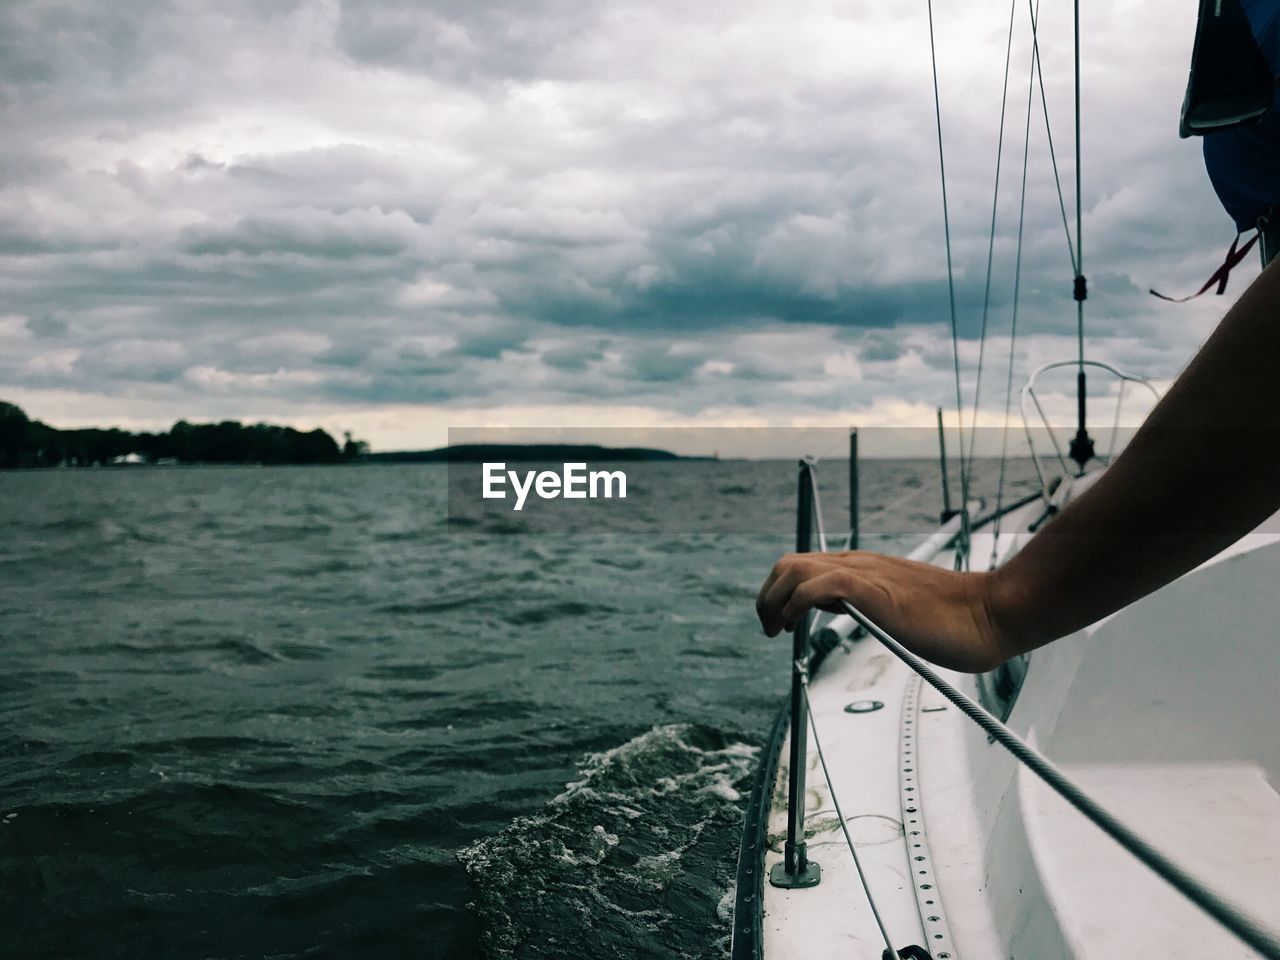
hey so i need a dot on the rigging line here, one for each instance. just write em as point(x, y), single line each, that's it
point(883, 511)
point(1048, 131)
point(817, 505)
point(1017, 290)
point(823, 546)
point(951, 284)
point(991, 243)
point(1079, 218)
point(905, 498)
point(871, 901)
point(1260, 938)
point(829, 449)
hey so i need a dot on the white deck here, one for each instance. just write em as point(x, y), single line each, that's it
point(1168, 712)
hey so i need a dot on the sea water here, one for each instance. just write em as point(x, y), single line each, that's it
point(291, 712)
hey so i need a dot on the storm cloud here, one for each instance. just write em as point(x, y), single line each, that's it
point(394, 216)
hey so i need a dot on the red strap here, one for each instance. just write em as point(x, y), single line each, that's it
point(1220, 275)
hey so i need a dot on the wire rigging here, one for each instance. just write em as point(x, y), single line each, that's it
point(1079, 260)
point(1017, 280)
point(991, 244)
point(1081, 445)
point(1075, 250)
point(951, 284)
point(1034, 7)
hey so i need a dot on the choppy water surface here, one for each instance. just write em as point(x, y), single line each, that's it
point(286, 712)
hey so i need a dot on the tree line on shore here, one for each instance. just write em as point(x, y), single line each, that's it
point(30, 443)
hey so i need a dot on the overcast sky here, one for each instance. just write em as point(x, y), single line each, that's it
point(395, 217)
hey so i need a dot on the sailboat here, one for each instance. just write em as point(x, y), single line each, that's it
point(1113, 794)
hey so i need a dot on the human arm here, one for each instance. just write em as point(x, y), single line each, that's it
point(1201, 472)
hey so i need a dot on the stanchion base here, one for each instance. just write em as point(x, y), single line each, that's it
point(810, 876)
point(912, 952)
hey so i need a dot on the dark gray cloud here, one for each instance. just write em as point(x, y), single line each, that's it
point(327, 205)
point(465, 42)
point(47, 325)
point(574, 357)
point(877, 346)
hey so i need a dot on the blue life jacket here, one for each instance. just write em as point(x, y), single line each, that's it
point(1244, 162)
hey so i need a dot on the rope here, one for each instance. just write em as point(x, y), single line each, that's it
point(951, 284)
point(991, 242)
point(1266, 942)
point(853, 851)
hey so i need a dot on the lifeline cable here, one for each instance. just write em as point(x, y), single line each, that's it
point(1249, 930)
point(871, 901)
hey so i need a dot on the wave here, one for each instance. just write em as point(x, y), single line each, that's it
point(104, 530)
point(634, 859)
point(555, 611)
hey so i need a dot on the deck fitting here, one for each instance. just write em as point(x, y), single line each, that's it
point(809, 876)
point(932, 918)
point(863, 706)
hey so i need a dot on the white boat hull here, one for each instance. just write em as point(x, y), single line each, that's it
point(1168, 712)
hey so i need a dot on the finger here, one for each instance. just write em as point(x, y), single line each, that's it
point(822, 590)
point(788, 572)
point(771, 601)
point(783, 562)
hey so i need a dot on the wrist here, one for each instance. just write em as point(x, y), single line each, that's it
point(1011, 612)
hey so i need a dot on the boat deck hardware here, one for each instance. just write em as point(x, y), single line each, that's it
point(912, 952)
point(863, 706)
point(1029, 393)
point(928, 900)
point(796, 869)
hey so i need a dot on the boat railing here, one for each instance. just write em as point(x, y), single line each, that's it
point(1029, 395)
point(797, 871)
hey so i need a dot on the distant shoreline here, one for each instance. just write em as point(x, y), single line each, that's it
point(569, 454)
point(27, 443)
point(526, 453)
